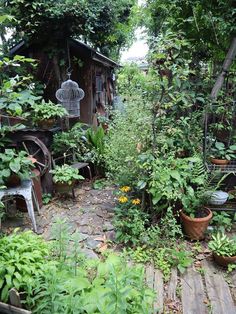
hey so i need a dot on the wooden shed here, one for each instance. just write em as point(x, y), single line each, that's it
point(93, 72)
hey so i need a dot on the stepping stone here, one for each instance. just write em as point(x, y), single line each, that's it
point(193, 295)
point(92, 244)
point(89, 253)
point(107, 226)
point(218, 291)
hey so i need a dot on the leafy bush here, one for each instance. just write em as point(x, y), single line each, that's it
point(71, 283)
point(47, 110)
point(72, 142)
point(223, 245)
point(12, 162)
point(65, 174)
point(22, 259)
point(222, 221)
point(129, 135)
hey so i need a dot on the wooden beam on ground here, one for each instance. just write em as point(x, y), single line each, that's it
point(171, 292)
point(159, 290)
point(154, 280)
point(218, 291)
point(9, 309)
point(193, 295)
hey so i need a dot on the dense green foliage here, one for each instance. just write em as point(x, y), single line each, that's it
point(71, 283)
point(12, 162)
point(65, 174)
point(208, 25)
point(106, 25)
point(222, 245)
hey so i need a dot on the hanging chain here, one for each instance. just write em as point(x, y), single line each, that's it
point(69, 69)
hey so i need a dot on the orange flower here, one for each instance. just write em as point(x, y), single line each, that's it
point(123, 199)
point(136, 201)
point(125, 189)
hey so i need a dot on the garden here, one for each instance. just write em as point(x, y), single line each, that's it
point(127, 208)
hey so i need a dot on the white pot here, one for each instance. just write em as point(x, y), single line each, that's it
point(218, 198)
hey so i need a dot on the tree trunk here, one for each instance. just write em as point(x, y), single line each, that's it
point(226, 65)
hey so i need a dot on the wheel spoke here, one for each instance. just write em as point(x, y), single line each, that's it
point(39, 163)
point(26, 148)
point(36, 152)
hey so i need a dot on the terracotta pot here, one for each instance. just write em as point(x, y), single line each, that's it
point(224, 260)
point(195, 228)
point(15, 120)
point(13, 181)
point(64, 187)
point(46, 124)
point(221, 162)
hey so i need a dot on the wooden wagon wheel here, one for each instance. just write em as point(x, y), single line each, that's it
point(38, 150)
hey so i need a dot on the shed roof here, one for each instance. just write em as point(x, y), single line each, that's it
point(94, 54)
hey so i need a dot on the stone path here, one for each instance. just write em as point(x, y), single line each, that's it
point(90, 214)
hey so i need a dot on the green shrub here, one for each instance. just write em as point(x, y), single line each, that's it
point(129, 135)
point(71, 283)
point(22, 259)
point(65, 174)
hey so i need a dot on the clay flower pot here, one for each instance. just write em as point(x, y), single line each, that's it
point(13, 181)
point(195, 228)
point(46, 124)
point(15, 120)
point(224, 260)
point(64, 187)
point(220, 162)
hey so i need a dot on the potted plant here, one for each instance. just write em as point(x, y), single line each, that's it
point(195, 216)
point(222, 155)
point(14, 167)
point(65, 177)
point(223, 248)
point(15, 104)
point(46, 113)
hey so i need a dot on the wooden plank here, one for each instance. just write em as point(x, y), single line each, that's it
point(171, 292)
point(9, 309)
point(193, 295)
point(233, 287)
point(218, 291)
point(149, 270)
point(159, 290)
point(149, 276)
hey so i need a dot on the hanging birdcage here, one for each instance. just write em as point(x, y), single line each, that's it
point(70, 95)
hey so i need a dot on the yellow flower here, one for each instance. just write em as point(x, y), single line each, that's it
point(125, 189)
point(136, 201)
point(123, 199)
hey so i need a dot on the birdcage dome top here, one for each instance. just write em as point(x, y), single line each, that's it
point(69, 84)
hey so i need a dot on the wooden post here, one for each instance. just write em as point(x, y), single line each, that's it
point(226, 65)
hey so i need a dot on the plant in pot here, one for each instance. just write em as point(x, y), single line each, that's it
point(46, 113)
point(65, 177)
point(14, 103)
point(195, 216)
point(221, 155)
point(14, 167)
point(223, 248)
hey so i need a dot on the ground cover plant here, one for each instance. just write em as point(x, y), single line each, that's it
point(156, 243)
point(56, 278)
